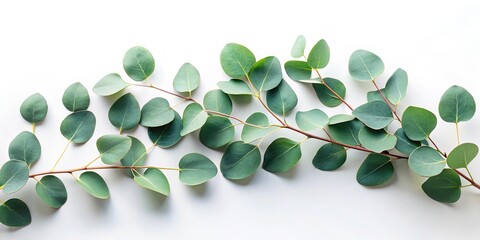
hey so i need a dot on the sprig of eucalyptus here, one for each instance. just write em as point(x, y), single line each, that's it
point(367, 128)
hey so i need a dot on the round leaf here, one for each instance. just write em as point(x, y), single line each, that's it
point(330, 157)
point(298, 70)
point(13, 176)
point(113, 148)
point(375, 170)
point(196, 169)
point(25, 147)
point(281, 155)
point(193, 118)
point(375, 115)
point(78, 127)
point(137, 154)
point(236, 60)
point(138, 63)
point(167, 135)
point(365, 66)
point(34, 109)
point(298, 47)
point(445, 187)
point(396, 87)
point(217, 132)
point(346, 132)
point(125, 112)
point(257, 127)
point(156, 112)
point(240, 161)
point(326, 96)
point(52, 191)
point(76, 98)
point(15, 213)
point(376, 140)
point(404, 144)
point(187, 78)
point(282, 99)
point(426, 161)
point(234, 87)
point(456, 105)
point(153, 179)
point(311, 120)
point(319, 55)
point(462, 155)
point(340, 118)
point(266, 74)
point(94, 185)
point(218, 101)
point(418, 123)
point(109, 85)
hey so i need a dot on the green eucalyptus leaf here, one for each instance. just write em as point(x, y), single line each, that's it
point(266, 74)
point(445, 187)
point(456, 105)
point(156, 112)
point(217, 132)
point(187, 79)
point(153, 179)
point(240, 161)
point(138, 63)
point(319, 56)
point(376, 96)
point(298, 47)
point(375, 170)
point(282, 99)
point(236, 60)
point(76, 98)
point(340, 118)
point(52, 191)
point(193, 118)
point(257, 127)
point(137, 154)
point(396, 87)
point(281, 155)
point(346, 132)
point(78, 127)
point(329, 157)
point(196, 169)
point(418, 123)
point(113, 148)
point(13, 176)
point(365, 66)
point(462, 155)
point(311, 120)
point(125, 112)
point(375, 115)
point(25, 147)
point(109, 85)
point(376, 140)
point(404, 144)
point(218, 101)
point(326, 96)
point(167, 135)
point(94, 185)
point(298, 70)
point(34, 109)
point(234, 87)
point(15, 213)
point(426, 161)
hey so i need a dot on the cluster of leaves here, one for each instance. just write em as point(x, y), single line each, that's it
point(366, 128)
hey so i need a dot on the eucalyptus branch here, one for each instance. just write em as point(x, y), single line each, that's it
point(82, 169)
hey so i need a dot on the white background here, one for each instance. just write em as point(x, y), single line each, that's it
point(47, 45)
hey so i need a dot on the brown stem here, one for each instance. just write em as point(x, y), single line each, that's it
point(394, 111)
point(98, 168)
point(165, 91)
point(470, 180)
point(270, 111)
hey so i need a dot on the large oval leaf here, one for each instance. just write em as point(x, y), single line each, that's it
point(298, 70)
point(330, 157)
point(218, 101)
point(240, 161)
point(456, 105)
point(217, 132)
point(125, 112)
point(25, 147)
point(311, 120)
point(396, 87)
point(298, 47)
point(326, 96)
point(364, 65)
point(78, 127)
point(187, 78)
point(404, 144)
point(94, 185)
point(137, 154)
point(445, 187)
point(346, 132)
point(236, 60)
point(234, 87)
point(156, 112)
point(15, 213)
point(109, 85)
point(319, 56)
point(462, 155)
point(196, 169)
point(113, 148)
point(34, 109)
point(138, 63)
point(376, 140)
point(266, 74)
point(426, 161)
point(52, 191)
point(193, 118)
point(282, 99)
point(76, 98)
point(257, 127)
point(13, 176)
point(281, 155)
point(167, 135)
point(375, 115)
point(153, 179)
point(418, 123)
point(375, 170)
